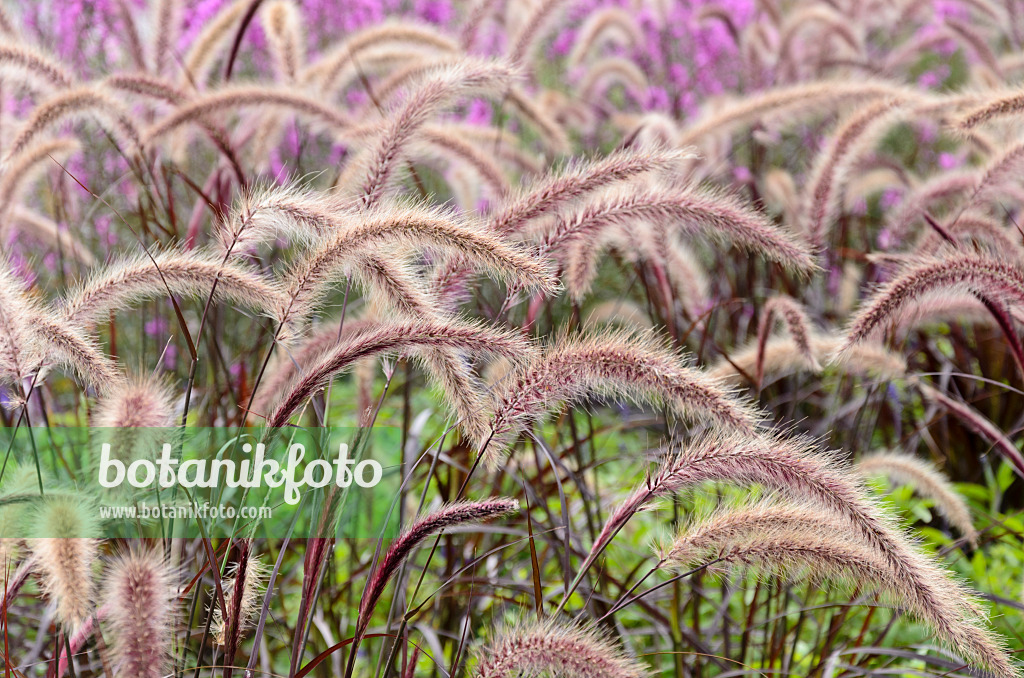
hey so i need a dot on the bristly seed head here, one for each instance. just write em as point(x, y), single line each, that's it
point(140, 594)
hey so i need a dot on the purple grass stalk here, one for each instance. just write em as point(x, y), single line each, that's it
point(78, 639)
point(978, 423)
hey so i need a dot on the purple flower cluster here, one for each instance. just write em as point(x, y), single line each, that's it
point(689, 49)
point(89, 33)
point(687, 56)
point(85, 33)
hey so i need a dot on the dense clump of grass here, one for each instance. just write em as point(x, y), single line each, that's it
point(580, 299)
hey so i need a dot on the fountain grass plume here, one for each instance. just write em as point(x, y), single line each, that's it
point(22, 169)
point(797, 324)
point(956, 273)
point(146, 85)
point(450, 142)
point(245, 581)
point(619, 312)
point(448, 516)
point(33, 336)
point(286, 38)
point(292, 360)
point(228, 100)
point(552, 648)
point(138, 402)
point(781, 356)
point(829, 21)
point(264, 212)
point(399, 288)
point(551, 132)
point(392, 281)
point(64, 553)
point(128, 281)
point(76, 104)
point(617, 363)
point(394, 284)
point(641, 242)
point(977, 422)
point(972, 231)
point(601, 26)
point(968, 35)
point(685, 210)
point(18, 345)
point(69, 344)
point(605, 73)
point(394, 32)
point(40, 70)
point(1000, 106)
point(481, 10)
point(922, 198)
point(533, 29)
point(796, 100)
point(559, 189)
point(468, 76)
point(786, 540)
point(710, 537)
point(803, 472)
point(130, 35)
point(392, 337)
point(167, 19)
point(49, 233)
point(405, 226)
point(211, 40)
point(687, 276)
point(833, 166)
point(140, 595)
point(906, 469)
point(524, 162)
point(996, 176)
